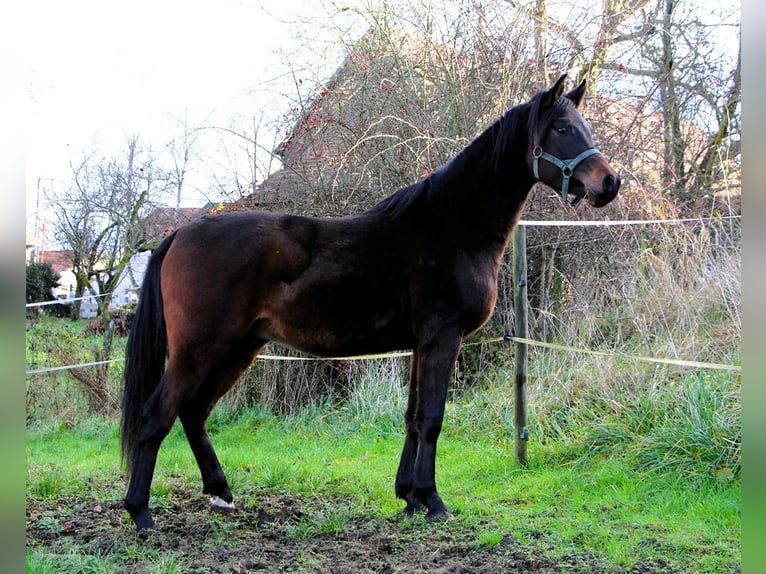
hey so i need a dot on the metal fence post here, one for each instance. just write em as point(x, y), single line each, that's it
point(519, 270)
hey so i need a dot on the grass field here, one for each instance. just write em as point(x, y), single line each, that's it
point(570, 500)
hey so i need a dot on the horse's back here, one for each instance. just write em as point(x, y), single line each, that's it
point(327, 286)
point(323, 285)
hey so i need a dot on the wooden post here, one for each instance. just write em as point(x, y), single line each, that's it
point(519, 270)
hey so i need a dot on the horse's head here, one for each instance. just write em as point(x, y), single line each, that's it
point(562, 154)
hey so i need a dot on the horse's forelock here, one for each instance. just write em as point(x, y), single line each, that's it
point(540, 120)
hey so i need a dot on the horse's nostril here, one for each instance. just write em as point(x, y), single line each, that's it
point(611, 183)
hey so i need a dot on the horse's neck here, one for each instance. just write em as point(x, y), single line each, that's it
point(489, 198)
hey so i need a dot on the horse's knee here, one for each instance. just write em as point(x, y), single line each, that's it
point(156, 421)
point(431, 428)
point(152, 434)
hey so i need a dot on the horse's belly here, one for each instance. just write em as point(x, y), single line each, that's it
point(341, 323)
point(337, 338)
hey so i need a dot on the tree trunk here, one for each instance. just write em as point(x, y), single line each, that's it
point(674, 145)
point(707, 167)
point(541, 45)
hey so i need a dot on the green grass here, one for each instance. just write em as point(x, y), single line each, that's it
point(569, 499)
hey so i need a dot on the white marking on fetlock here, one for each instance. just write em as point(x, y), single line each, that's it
point(220, 503)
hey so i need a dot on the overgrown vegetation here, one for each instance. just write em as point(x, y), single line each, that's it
point(92, 386)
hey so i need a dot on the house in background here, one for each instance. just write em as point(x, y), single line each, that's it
point(31, 249)
point(155, 226)
point(362, 132)
point(164, 220)
point(126, 291)
point(61, 263)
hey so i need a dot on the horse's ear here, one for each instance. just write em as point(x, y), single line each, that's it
point(550, 97)
point(577, 94)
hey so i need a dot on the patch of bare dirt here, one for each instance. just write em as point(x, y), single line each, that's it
point(284, 533)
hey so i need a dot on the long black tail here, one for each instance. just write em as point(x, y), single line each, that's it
point(145, 354)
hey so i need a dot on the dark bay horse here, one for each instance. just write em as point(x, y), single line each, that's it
point(418, 271)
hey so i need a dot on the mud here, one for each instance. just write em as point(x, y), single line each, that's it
point(285, 533)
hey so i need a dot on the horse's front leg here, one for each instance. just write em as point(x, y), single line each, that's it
point(434, 365)
point(406, 471)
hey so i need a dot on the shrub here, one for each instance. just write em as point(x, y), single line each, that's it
point(121, 320)
point(41, 279)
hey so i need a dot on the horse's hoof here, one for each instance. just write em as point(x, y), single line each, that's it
point(437, 514)
point(413, 505)
point(143, 521)
point(220, 505)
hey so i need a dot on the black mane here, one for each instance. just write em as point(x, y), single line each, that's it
point(491, 146)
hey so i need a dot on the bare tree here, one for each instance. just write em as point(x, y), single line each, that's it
point(181, 152)
point(672, 59)
point(725, 142)
point(98, 217)
point(620, 25)
point(541, 42)
point(664, 57)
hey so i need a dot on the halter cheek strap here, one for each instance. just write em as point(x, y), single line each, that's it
point(567, 166)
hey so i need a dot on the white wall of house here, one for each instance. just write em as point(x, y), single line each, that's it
point(125, 293)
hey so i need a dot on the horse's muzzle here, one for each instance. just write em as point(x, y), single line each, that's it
point(609, 188)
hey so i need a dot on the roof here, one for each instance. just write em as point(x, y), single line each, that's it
point(164, 220)
point(358, 116)
point(60, 260)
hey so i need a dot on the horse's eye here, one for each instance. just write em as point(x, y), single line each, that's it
point(562, 129)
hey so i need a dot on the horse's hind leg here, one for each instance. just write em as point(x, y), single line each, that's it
point(195, 412)
point(157, 417)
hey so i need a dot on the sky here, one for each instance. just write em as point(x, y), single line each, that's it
point(100, 71)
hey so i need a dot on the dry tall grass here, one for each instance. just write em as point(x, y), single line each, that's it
point(673, 292)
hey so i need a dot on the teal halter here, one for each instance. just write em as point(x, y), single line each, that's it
point(567, 166)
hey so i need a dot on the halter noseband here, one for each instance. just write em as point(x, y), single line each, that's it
point(567, 166)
